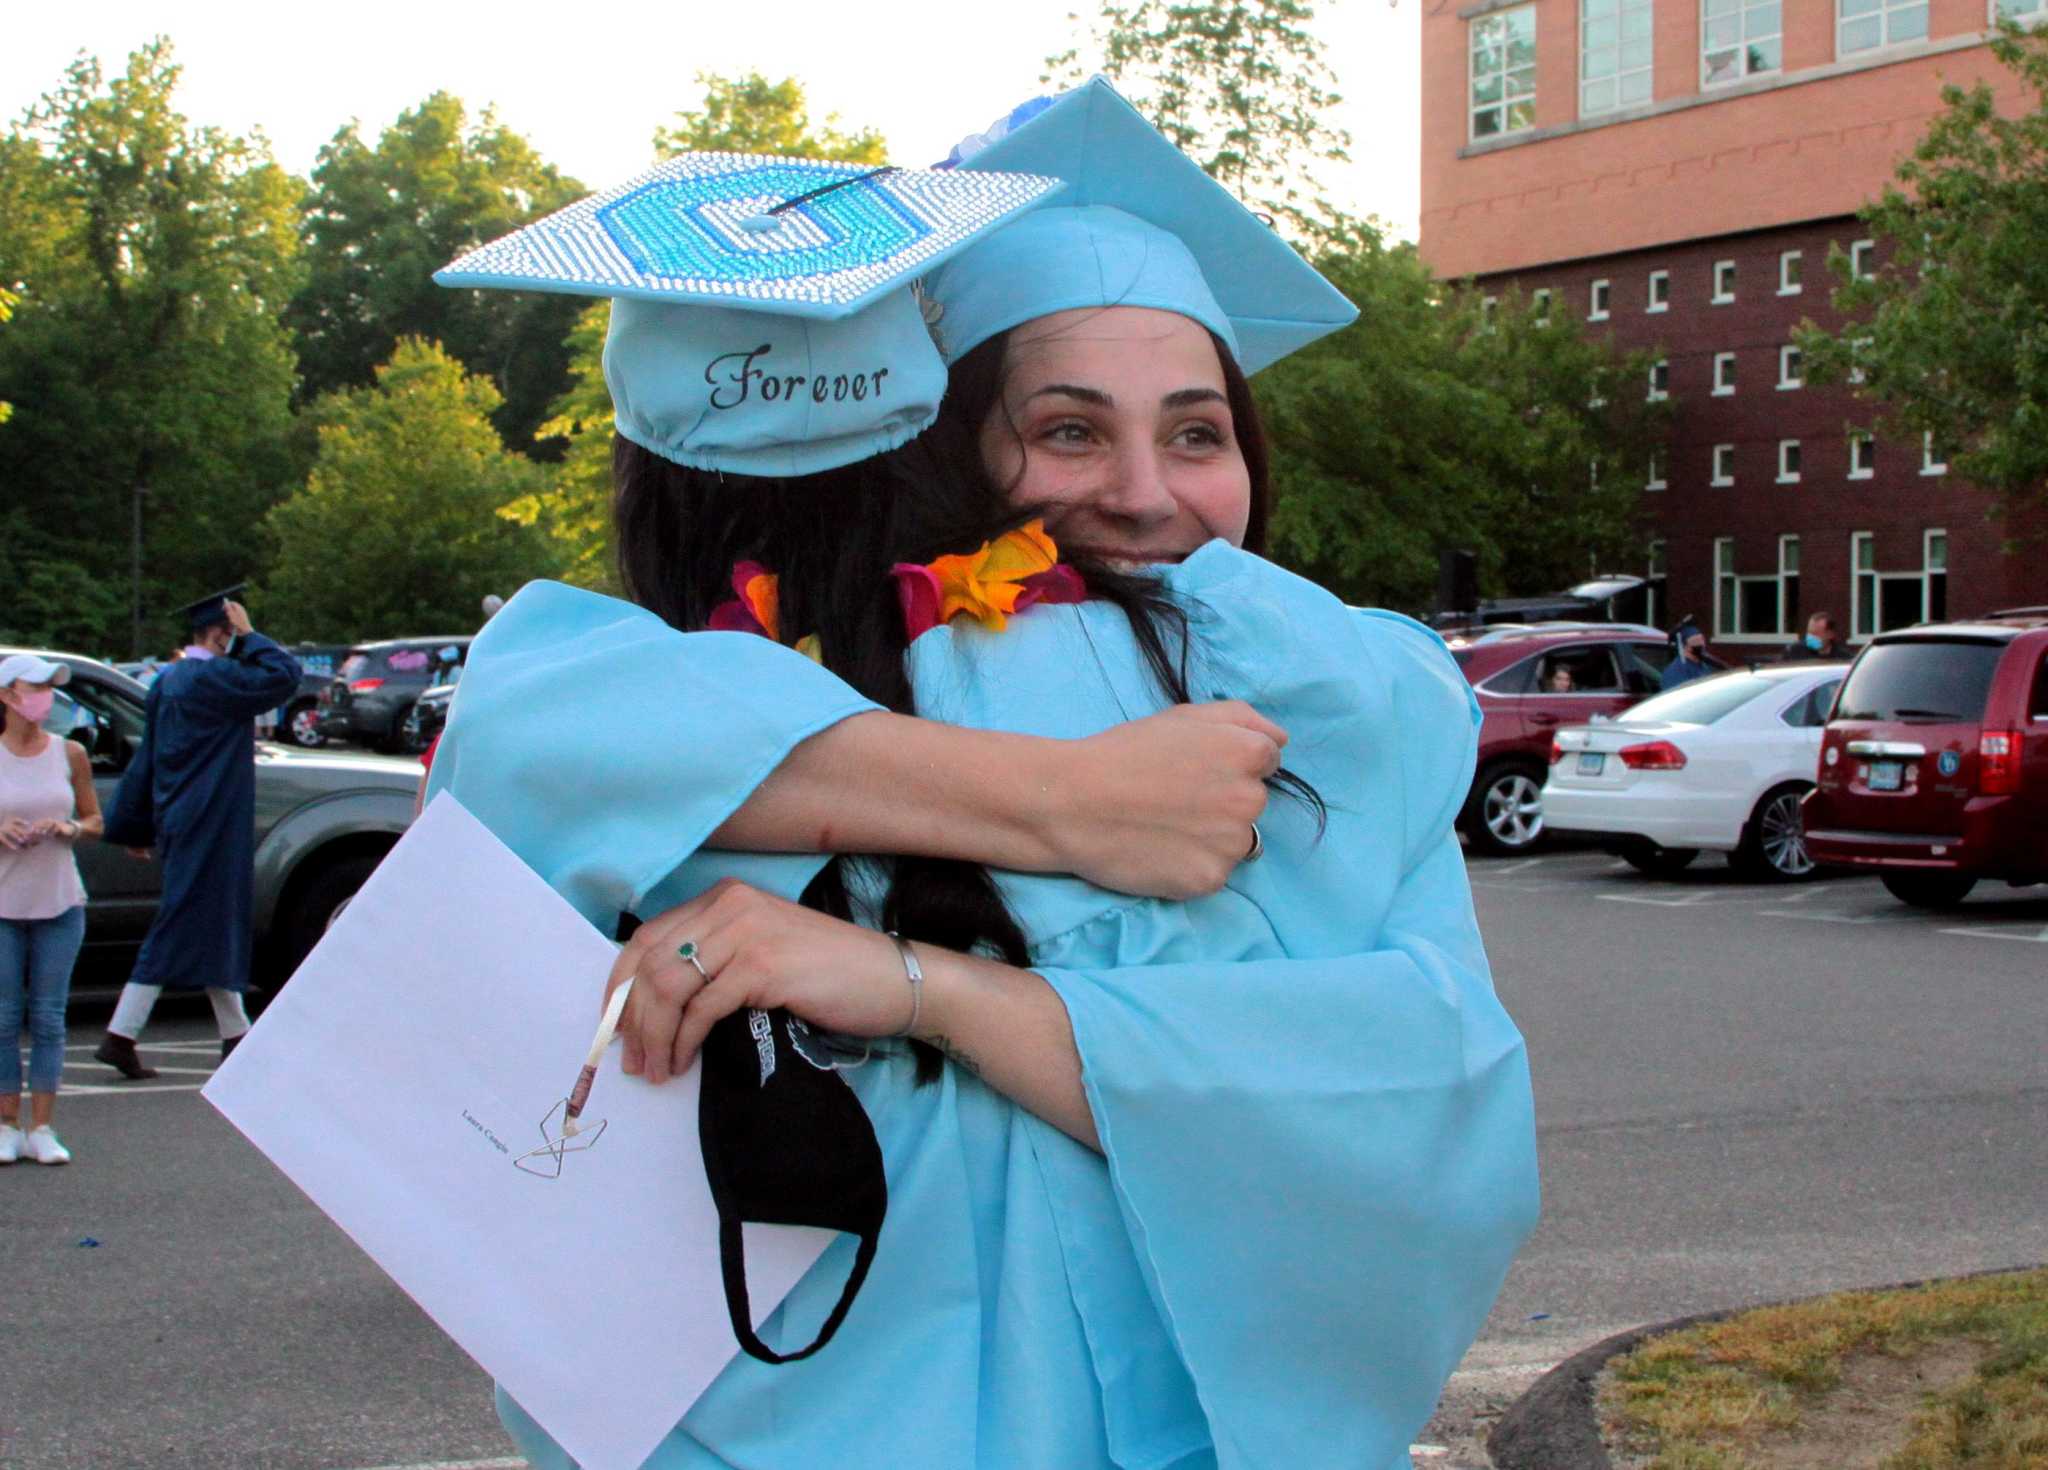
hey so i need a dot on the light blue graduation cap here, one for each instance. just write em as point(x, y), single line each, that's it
point(1139, 225)
point(762, 321)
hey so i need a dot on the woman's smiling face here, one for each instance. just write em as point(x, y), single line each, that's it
point(1123, 438)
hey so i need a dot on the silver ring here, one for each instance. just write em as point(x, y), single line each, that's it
point(688, 951)
point(1258, 849)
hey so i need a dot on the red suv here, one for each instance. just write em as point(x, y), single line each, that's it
point(1518, 673)
point(1934, 765)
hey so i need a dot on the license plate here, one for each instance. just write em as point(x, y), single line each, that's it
point(1887, 775)
point(1590, 762)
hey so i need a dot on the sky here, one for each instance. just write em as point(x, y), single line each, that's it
point(588, 85)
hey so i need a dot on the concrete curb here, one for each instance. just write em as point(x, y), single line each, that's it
point(1553, 1425)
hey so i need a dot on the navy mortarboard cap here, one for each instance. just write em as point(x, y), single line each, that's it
point(212, 608)
point(1139, 225)
point(762, 320)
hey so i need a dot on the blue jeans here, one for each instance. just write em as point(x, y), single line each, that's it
point(36, 956)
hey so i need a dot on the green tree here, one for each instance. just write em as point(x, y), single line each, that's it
point(750, 114)
point(1435, 422)
point(1240, 86)
point(1947, 337)
point(150, 258)
point(381, 220)
point(397, 528)
point(747, 115)
point(7, 304)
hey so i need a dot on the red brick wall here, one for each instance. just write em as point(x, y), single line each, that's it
point(1814, 150)
point(1898, 504)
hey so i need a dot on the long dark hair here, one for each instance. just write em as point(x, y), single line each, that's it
point(830, 538)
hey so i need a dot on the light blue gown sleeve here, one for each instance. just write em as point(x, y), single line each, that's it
point(1326, 1163)
point(603, 746)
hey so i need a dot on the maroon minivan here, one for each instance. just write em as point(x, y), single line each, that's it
point(1934, 765)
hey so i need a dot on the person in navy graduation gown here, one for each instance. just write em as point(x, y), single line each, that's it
point(190, 794)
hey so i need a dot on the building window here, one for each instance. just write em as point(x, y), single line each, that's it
point(1788, 273)
point(1740, 38)
point(1656, 480)
point(1660, 291)
point(1541, 304)
point(1614, 55)
point(1655, 595)
point(1504, 72)
point(1756, 607)
point(1724, 374)
point(1724, 282)
point(1860, 255)
point(1790, 366)
point(1864, 25)
point(1933, 461)
point(1883, 601)
point(1788, 461)
point(1724, 465)
point(1596, 302)
point(2022, 10)
point(1862, 455)
point(1660, 380)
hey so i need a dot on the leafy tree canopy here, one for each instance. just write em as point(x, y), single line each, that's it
point(1240, 86)
point(381, 220)
point(397, 530)
point(1946, 339)
point(1435, 422)
point(149, 257)
point(750, 114)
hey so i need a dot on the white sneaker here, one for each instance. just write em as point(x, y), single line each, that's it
point(44, 1148)
point(11, 1140)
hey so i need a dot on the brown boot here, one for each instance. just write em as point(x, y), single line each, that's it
point(118, 1052)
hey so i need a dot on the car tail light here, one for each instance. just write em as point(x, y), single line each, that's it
point(1998, 762)
point(364, 686)
point(1653, 755)
point(1556, 751)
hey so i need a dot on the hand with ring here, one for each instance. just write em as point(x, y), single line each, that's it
point(734, 946)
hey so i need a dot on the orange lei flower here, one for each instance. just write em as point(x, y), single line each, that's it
point(1017, 570)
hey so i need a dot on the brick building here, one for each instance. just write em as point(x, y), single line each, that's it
point(1674, 174)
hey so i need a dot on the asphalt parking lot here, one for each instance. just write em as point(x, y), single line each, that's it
point(1745, 1092)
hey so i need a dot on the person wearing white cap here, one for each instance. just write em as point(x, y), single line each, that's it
point(1222, 1183)
point(47, 804)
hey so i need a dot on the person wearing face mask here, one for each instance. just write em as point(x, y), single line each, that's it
point(1691, 662)
point(190, 796)
point(1822, 641)
point(47, 804)
point(1132, 1137)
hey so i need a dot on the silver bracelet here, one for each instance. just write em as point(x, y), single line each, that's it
point(914, 973)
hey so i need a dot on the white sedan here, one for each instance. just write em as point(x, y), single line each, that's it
point(1720, 763)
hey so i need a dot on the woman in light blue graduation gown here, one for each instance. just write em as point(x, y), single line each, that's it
point(1316, 1142)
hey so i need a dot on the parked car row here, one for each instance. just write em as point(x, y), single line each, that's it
point(323, 820)
point(1924, 761)
point(375, 687)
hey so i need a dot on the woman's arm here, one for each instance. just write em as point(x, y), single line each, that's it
point(1161, 806)
point(85, 820)
point(1004, 1024)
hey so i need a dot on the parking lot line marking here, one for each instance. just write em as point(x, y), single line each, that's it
point(1684, 901)
point(1833, 918)
point(125, 1089)
point(167, 1071)
point(1508, 869)
point(506, 1462)
point(1986, 931)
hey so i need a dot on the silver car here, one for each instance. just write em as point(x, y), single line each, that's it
point(323, 821)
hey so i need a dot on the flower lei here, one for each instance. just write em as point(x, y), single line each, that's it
point(1017, 570)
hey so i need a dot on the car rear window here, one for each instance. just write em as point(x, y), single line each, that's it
point(1701, 701)
point(1920, 679)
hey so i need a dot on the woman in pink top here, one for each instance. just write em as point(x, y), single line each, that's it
point(46, 804)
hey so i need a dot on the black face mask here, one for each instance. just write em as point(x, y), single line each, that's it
point(785, 1143)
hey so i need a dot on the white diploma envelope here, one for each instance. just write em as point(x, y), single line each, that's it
point(412, 1058)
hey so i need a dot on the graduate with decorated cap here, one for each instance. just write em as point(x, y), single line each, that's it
point(1223, 1180)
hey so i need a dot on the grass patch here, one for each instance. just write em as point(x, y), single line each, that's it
point(1938, 1377)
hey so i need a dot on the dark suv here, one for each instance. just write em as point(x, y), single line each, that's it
point(1934, 765)
point(1611, 666)
point(377, 683)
